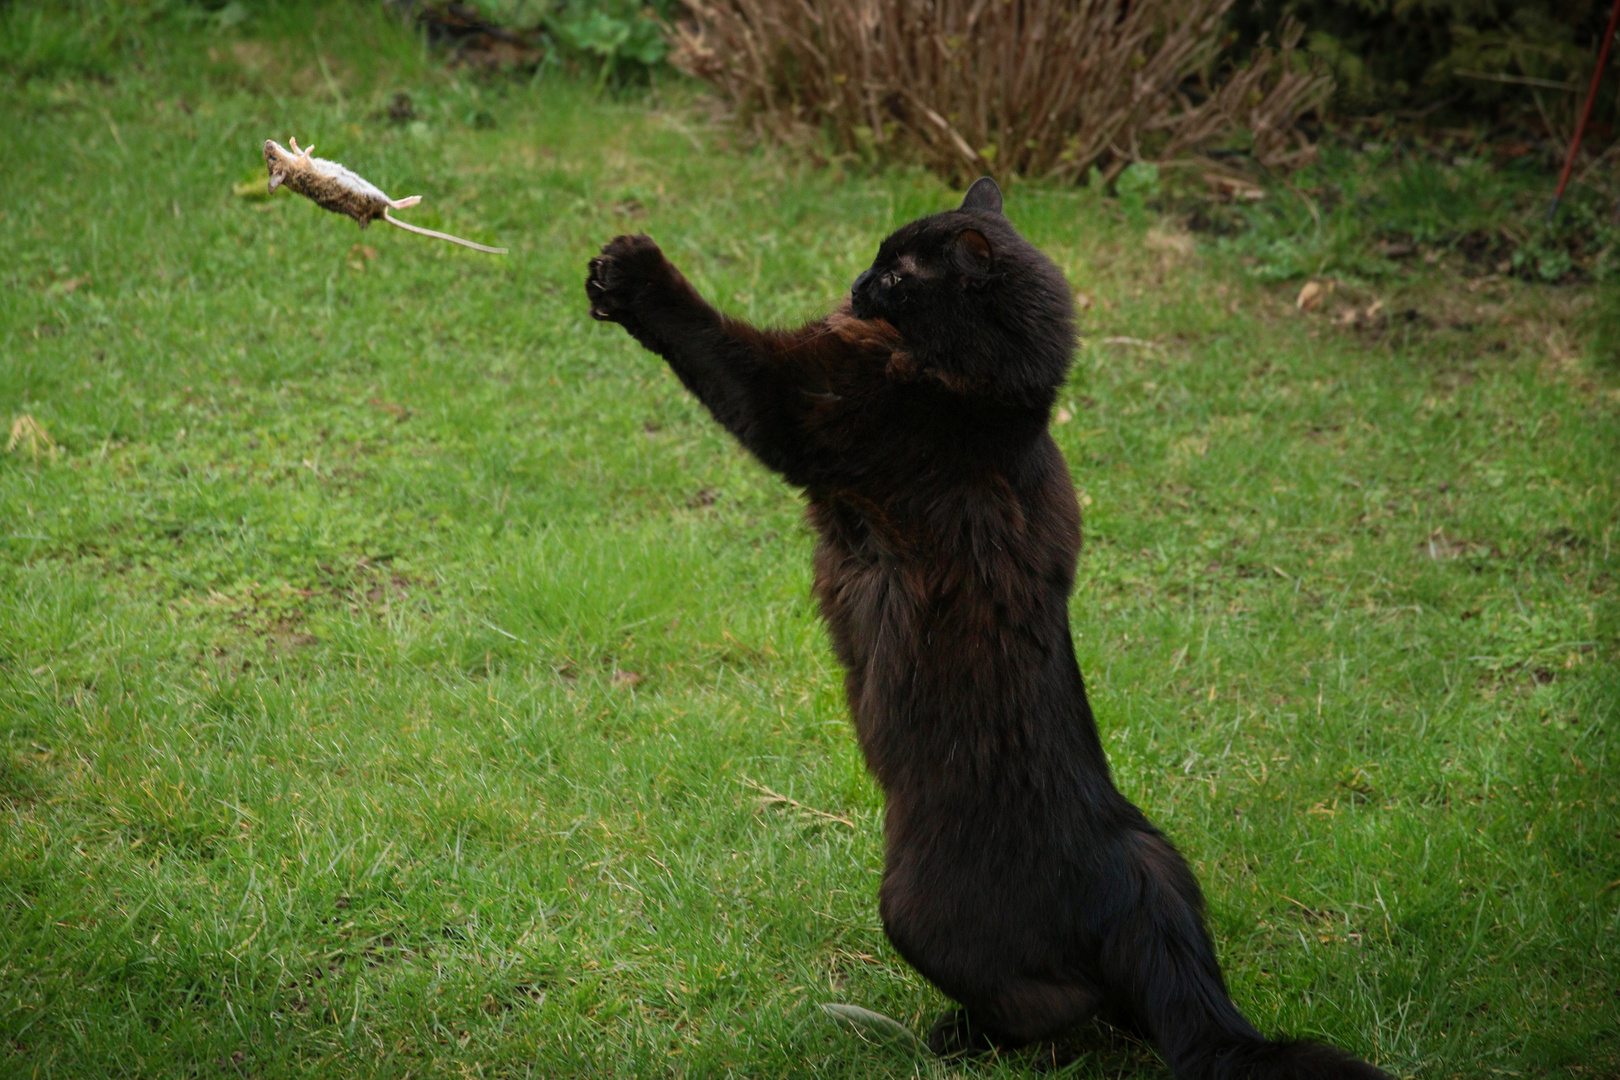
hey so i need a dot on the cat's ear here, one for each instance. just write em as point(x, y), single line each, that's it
point(984, 196)
point(973, 249)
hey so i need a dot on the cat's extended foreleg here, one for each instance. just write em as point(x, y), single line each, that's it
point(745, 377)
point(632, 284)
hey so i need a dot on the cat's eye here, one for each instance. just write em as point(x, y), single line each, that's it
point(890, 280)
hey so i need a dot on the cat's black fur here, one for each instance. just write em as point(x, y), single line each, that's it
point(1017, 879)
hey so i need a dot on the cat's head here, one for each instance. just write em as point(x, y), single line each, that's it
point(974, 301)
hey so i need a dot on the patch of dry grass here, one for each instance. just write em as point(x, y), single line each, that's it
point(1044, 88)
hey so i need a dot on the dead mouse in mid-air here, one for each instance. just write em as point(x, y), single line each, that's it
point(342, 191)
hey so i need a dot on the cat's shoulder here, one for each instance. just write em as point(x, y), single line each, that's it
point(874, 334)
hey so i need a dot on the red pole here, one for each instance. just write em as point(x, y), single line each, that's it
point(1586, 113)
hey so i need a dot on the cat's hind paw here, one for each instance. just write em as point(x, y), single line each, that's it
point(955, 1036)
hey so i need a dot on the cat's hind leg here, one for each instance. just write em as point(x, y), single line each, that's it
point(954, 1034)
point(1018, 1012)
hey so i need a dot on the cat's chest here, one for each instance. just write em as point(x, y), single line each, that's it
point(868, 571)
point(907, 573)
point(886, 574)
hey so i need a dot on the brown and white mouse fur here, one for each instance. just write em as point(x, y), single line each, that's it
point(343, 191)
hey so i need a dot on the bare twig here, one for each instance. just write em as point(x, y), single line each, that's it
point(774, 798)
point(1518, 80)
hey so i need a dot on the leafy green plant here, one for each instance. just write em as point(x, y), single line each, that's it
point(618, 34)
point(1135, 186)
point(1466, 55)
point(620, 41)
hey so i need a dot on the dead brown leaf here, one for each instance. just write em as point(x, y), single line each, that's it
point(1438, 546)
point(1234, 188)
point(30, 434)
point(1177, 245)
point(398, 412)
point(1312, 293)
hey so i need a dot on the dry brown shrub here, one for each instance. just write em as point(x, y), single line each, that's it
point(1029, 87)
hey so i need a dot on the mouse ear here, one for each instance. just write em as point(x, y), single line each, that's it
point(984, 196)
point(973, 249)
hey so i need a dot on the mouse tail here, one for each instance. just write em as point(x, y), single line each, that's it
point(392, 220)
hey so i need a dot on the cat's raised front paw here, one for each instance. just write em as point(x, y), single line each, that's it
point(618, 277)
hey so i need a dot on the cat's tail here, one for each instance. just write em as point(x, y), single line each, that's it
point(1163, 964)
point(1260, 1059)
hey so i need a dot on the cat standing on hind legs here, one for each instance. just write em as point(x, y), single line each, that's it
point(1017, 878)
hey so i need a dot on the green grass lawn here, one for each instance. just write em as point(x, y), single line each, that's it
point(396, 666)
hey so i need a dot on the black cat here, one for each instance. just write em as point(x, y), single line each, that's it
point(1017, 878)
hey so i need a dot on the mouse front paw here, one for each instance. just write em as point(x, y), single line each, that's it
point(621, 277)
